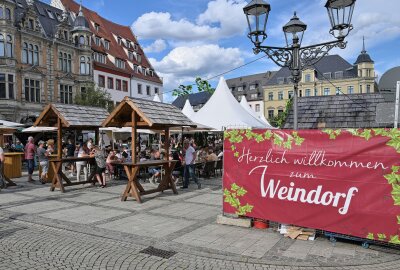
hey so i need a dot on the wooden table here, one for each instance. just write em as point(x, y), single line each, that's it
point(56, 166)
point(136, 190)
point(12, 167)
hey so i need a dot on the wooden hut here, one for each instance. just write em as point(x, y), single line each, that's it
point(146, 114)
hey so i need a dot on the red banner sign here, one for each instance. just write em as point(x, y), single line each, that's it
point(343, 181)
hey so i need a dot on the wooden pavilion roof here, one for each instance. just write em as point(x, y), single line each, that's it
point(150, 114)
point(72, 116)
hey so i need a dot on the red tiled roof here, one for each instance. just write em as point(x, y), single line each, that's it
point(106, 31)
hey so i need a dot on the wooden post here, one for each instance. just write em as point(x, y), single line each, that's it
point(134, 134)
point(1, 140)
point(59, 138)
point(96, 137)
point(166, 143)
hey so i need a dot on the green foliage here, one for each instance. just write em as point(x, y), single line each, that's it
point(371, 236)
point(94, 97)
point(280, 119)
point(381, 236)
point(232, 198)
point(202, 86)
point(333, 134)
point(394, 239)
point(398, 220)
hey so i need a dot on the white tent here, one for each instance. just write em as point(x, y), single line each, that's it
point(246, 106)
point(156, 98)
point(188, 109)
point(223, 111)
point(39, 129)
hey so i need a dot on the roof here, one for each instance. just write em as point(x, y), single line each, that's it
point(195, 99)
point(80, 21)
point(151, 114)
point(259, 80)
point(389, 79)
point(364, 56)
point(72, 116)
point(108, 30)
point(329, 63)
point(341, 111)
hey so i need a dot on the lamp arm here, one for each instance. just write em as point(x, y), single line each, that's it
point(311, 55)
point(283, 57)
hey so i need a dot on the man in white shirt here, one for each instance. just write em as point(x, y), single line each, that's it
point(189, 169)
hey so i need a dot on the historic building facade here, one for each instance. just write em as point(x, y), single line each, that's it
point(45, 57)
point(119, 63)
point(331, 76)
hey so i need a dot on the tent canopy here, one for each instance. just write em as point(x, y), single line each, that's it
point(223, 111)
point(188, 109)
point(10, 124)
point(246, 106)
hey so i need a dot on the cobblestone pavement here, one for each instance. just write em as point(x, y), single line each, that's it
point(90, 228)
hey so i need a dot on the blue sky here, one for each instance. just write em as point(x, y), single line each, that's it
point(185, 39)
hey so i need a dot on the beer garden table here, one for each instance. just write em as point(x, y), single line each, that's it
point(145, 114)
point(69, 117)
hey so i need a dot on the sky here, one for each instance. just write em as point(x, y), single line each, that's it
point(184, 39)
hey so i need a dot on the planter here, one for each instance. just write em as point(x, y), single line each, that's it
point(260, 223)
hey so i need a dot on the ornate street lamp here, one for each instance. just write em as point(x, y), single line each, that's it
point(293, 56)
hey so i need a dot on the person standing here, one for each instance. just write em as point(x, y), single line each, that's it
point(30, 157)
point(82, 152)
point(43, 156)
point(100, 165)
point(189, 169)
point(2, 181)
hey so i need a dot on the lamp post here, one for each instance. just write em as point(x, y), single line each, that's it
point(293, 56)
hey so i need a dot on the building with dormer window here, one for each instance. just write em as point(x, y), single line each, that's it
point(120, 65)
point(45, 56)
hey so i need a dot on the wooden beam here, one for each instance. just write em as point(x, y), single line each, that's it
point(59, 139)
point(134, 134)
point(166, 143)
point(138, 124)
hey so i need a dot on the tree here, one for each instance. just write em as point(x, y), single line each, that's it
point(279, 120)
point(202, 86)
point(93, 96)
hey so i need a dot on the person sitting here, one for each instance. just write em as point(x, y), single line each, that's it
point(154, 171)
point(109, 163)
point(125, 153)
point(211, 156)
point(18, 146)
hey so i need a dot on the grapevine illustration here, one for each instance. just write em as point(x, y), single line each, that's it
point(232, 198)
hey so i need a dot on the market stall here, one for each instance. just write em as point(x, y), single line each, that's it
point(144, 114)
point(69, 117)
point(12, 161)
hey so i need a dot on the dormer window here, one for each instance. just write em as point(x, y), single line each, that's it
point(106, 44)
point(120, 63)
point(130, 55)
point(65, 35)
point(31, 24)
point(128, 44)
point(281, 80)
point(139, 58)
point(252, 86)
point(8, 14)
point(50, 14)
point(97, 27)
point(97, 41)
point(119, 40)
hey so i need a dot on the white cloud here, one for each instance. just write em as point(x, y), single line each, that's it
point(157, 46)
point(183, 64)
point(213, 24)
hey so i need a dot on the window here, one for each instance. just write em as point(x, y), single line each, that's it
point(315, 92)
point(9, 46)
point(65, 62)
point(327, 91)
point(327, 75)
point(270, 96)
point(155, 90)
point(82, 40)
point(338, 74)
point(280, 95)
point(32, 90)
point(308, 92)
point(30, 54)
point(110, 83)
point(270, 114)
point(361, 89)
point(307, 77)
point(368, 88)
point(66, 94)
point(338, 91)
point(51, 16)
point(96, 27)
point(300, 93)
point(83, 92)
point(252, 86)
point(120, 63)
point(254, 96)
point(139, 89)
point(97, 41)
point(139, 58)
point(148, 90)
point(118, 84)
point(101, 81)
point(130, 55)
point(85, 65)
point(257, 107)
point(6, 86)
point(280, 112)
point(240, 88)
point(350, 89)
point(8, 14)
point(290, 94)
point(119, 39)
point(281, 80)
point(3, 90)
point(125, 86)
point(1, 12)
point(31, 24)
point(107, 44)
point(99, 57)
point(2, 46)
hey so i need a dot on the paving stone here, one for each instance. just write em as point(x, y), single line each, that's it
point(188, 210)
point(42, 206)
point(89, 197)
point(84, 214)
point(211, 199)
point(7, 198)
point(133, 205)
